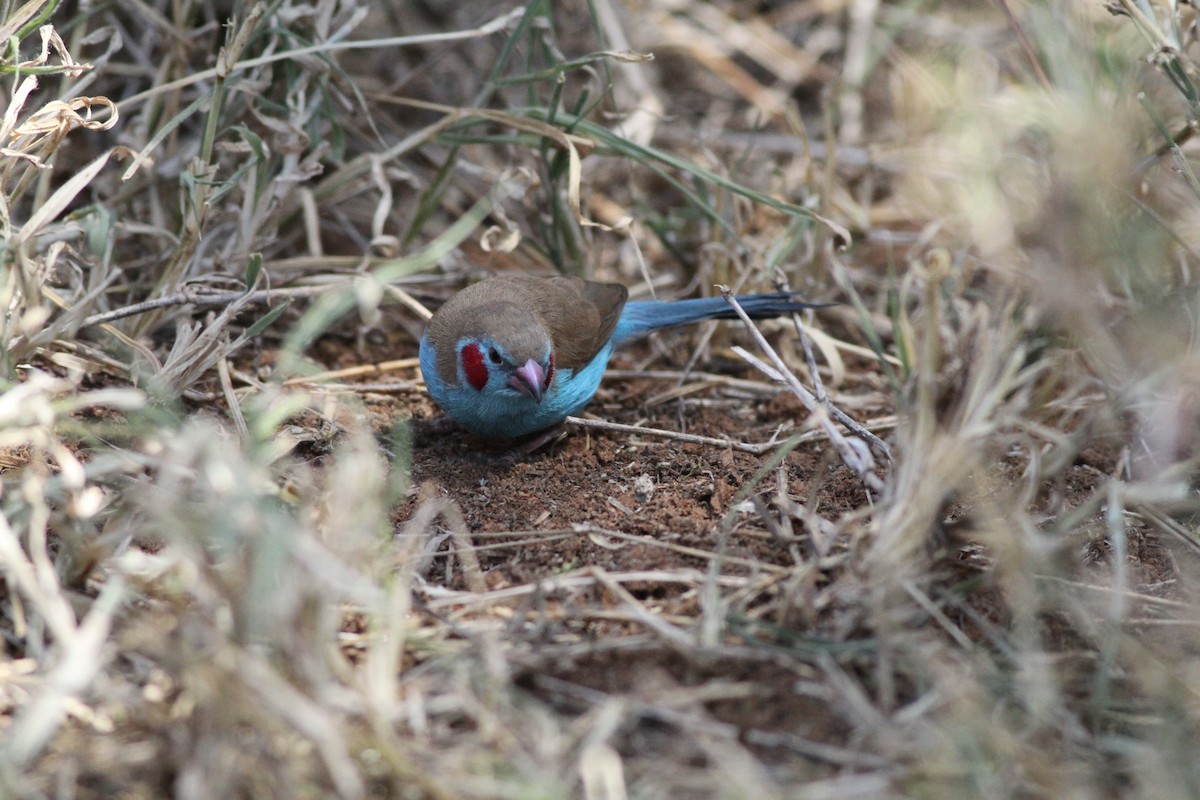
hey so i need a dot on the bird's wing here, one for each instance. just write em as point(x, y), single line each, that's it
point(579, 315)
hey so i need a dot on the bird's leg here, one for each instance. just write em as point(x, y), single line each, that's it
point(518, 452)
point(441, 425)
point(541, 440)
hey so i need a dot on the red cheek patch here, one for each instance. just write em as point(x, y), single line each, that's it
point(549, 372)
point(473, 366)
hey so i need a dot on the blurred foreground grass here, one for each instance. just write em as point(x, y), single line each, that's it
point(201, 590)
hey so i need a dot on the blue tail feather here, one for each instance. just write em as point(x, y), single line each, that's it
point(640, 317)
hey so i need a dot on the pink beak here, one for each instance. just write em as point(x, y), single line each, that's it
point(528, 379)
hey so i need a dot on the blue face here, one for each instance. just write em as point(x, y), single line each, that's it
point(485, 401)
point(489, 367)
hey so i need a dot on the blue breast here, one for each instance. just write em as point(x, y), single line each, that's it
point(508, 414)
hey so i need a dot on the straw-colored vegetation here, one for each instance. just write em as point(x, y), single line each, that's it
point(219, 577)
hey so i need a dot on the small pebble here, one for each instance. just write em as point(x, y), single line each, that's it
point(643, 488)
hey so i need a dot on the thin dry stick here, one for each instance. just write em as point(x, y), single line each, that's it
point(455, 550)
point(1026, 46)
point(574, 581)
point(652, 621)
point(1179, 532)
point(709, 378)
point(931, 608)
point(680, 392)
point(683, 549)
point(355, 371)
point(857, 66)
point(409, 302)
point(468, 557)
point(689, 438)
point(231, 400)
point(754, 448)
point(487, 29)
point(1148, 599)
point(819, 385)
point(396, 387)
point(853, 451)
point(205, 299)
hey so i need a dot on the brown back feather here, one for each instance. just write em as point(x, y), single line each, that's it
point(520, 311)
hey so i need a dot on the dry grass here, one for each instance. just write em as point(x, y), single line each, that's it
point(204, 592)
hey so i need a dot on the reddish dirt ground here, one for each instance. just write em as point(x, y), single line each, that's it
point(662, 498)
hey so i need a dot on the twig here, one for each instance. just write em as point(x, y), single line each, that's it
point(572, 581)
point(662, 627)
point(857, 65)
point(355, 371)
point(880, 424)
point(689, 438)
point(409, 302)
point(468, 556)
point(203, 299)
point(1179, 532)
point(853, 451)
point(819, 386)
point(487, 29)
point(683, 549)
point(1026, 46)
point(394, 387)
point(1149, 599)
point(674, 375)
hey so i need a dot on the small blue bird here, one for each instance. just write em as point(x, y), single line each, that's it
point(514, 355)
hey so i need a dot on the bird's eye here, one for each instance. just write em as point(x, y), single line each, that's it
point(494, 355)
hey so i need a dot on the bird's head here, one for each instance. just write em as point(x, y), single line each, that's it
point(495, 364)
